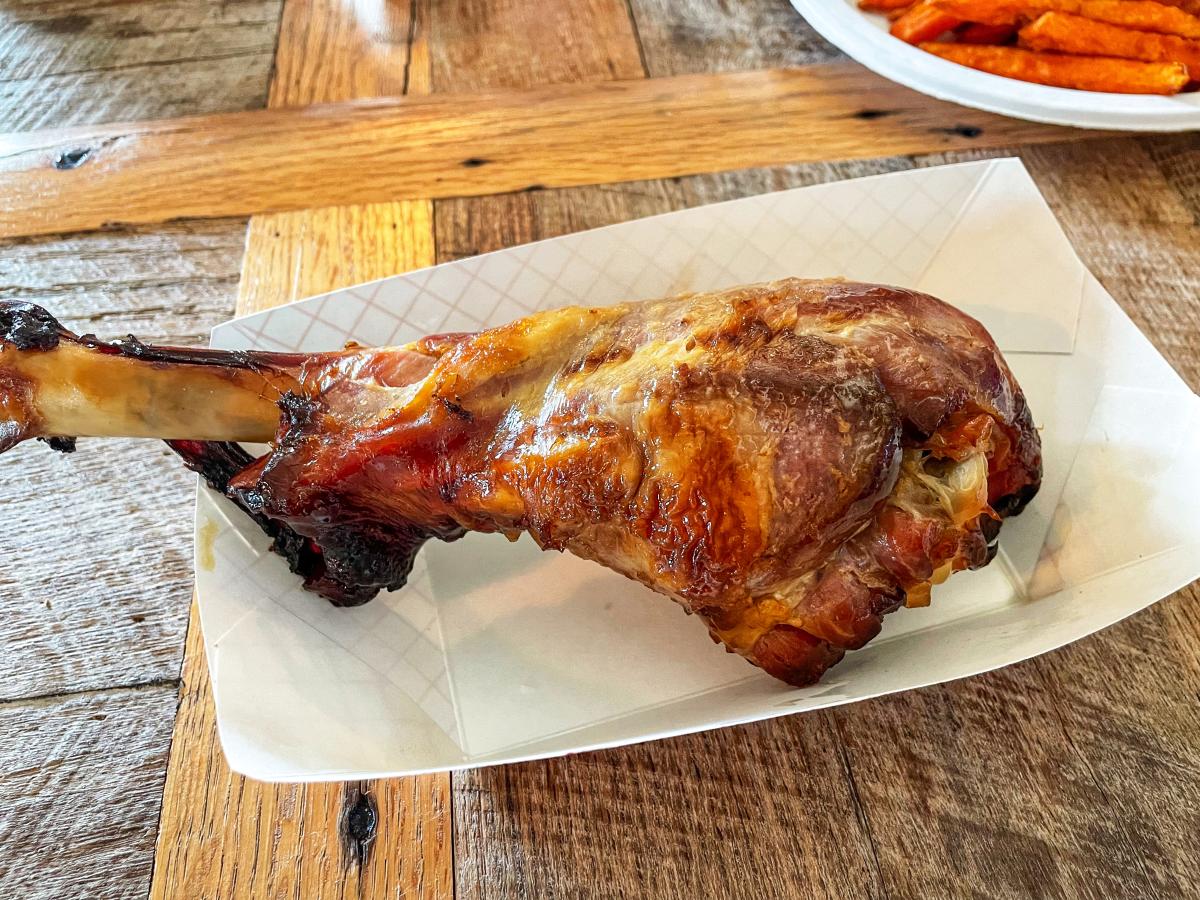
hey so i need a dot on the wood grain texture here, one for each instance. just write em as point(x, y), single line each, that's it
point(362, 840)
point(329, 53)
point(89, 607)
point(80, 779)
point(490, 44)
point(83, 61)
point(711, 815)
point(97, 545)
point(1179, 160)
point(480, 143)
point(681, 36)
point(994, 787)
point(1133, 737)
point(1069, 776)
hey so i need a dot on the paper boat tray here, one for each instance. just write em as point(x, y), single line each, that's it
point(498, 652)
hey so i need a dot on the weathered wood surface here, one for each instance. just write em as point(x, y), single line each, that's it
point(480, 143)
point(80, 779)
point(680, 36)
point(1176, 156)
point(370, 839)
point(495, 44)
point(81, 61)
point(222, 835)
point(1069, 776)
point(214, 821)
point(90, 605)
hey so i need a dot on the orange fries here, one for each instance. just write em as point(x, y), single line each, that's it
point(1118, 46)
point(1075, 34)
point(893, 9)
point(923, 23)
point(1085, 73)
point(1143, 15)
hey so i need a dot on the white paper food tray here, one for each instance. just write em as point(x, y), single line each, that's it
point(498, 652)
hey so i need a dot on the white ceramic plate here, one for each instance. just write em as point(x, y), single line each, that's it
point(864, 37)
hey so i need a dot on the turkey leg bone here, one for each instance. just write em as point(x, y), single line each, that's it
point(56, 385)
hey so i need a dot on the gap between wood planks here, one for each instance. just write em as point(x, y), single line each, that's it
point(56, 696)
point(486, 142)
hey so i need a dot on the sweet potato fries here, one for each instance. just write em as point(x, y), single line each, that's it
point(1114, 46)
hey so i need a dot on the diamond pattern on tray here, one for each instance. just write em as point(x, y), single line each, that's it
point(855, 229)
point(812, 232)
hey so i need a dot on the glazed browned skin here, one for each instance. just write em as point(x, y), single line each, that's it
point(790, 461)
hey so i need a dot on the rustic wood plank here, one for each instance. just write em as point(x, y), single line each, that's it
point(86, 604)
point(1132, 732)
point(480, 143)
point(488, 44)
point(1179, 159)
point(84, 61)
point(80, 780)
point(327, 53)
point(710, 815)
point(170, 282)
point(1068, 776)
point(215, 822)
point(981, 789)
point(681, 36)
point(119, 617)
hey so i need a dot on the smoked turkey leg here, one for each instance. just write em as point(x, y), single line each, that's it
point(790, 461)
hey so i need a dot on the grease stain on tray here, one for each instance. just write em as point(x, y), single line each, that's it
point(205, 536)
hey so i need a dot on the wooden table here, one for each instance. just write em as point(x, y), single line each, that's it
point(1075, 774)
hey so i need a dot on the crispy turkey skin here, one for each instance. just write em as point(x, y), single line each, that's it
point(789, 461)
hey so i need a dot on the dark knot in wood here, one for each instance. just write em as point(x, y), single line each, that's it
point(359, 823)
point(72, 159)
point(967, 131)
